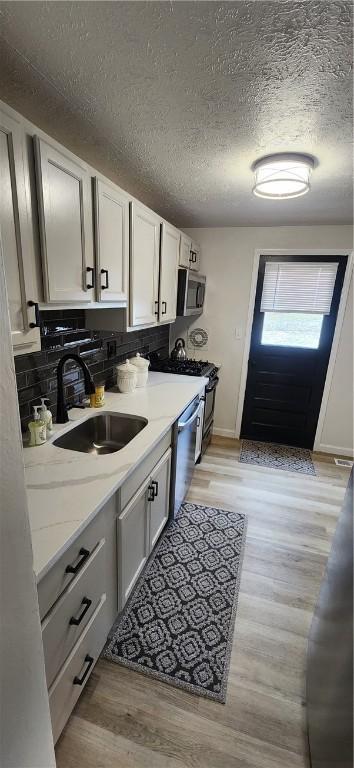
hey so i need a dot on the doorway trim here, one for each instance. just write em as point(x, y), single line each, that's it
point(318, 252)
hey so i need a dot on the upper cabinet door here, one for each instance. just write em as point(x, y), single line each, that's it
point(112, 242)
point(144, 265)
point(194, 262)
point(169, 255)
point(64, 196)
point(185, 251)
point(15, 240)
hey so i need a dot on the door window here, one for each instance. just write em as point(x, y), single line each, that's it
point(292, 329)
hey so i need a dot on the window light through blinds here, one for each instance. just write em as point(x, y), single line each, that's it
point(291, 286)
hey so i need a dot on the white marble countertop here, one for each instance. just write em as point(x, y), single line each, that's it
point(66, 489)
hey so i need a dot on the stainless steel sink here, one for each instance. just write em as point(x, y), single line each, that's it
point(105, 433)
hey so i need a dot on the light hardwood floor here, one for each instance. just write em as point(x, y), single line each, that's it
point(127, 720)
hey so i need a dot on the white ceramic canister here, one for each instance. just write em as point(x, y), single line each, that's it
point(126, 377)
point(142, 369)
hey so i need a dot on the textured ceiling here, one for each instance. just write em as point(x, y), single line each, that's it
point(175, 100)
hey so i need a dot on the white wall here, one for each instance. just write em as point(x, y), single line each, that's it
point(227, 260)
point(25, 733)
point(337, 432)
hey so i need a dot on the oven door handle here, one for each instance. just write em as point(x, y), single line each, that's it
point(183, 424)
point(212, 385)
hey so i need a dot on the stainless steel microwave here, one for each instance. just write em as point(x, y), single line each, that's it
point(190, 292)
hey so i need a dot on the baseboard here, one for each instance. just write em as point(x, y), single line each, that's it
point(224, 432)
point(336, 450)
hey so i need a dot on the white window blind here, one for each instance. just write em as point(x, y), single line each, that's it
point(291, 286)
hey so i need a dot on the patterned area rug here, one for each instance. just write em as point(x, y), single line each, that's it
point(178, 624)
point(277, 456)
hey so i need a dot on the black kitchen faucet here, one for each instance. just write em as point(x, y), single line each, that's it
point(62, 413)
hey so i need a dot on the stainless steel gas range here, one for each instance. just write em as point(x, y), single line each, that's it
point(195, 368)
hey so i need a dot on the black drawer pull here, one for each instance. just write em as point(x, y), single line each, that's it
point(91, 269)
point(155, 488)
point(79, 680)
point(156, 308)
point(84, 554)
point(164, 311)
point(105, 272)
point(37, 322)
point(86, 603)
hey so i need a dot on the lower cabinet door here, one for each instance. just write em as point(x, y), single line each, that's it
point(67, 686)
point(133, 541)
point(159, 506)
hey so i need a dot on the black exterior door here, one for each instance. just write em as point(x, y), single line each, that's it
point(285, 383)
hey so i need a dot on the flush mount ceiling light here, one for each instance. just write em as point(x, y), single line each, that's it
point(279, 177)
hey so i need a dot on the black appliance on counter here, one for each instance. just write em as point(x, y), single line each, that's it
point(190, 367)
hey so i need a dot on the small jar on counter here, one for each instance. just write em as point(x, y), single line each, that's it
point(97, 399)
point(142, 369)
point(126, 377)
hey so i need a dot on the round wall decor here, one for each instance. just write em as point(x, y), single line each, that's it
point(198, 337)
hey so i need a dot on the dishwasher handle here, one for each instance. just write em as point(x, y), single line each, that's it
point(183, 424)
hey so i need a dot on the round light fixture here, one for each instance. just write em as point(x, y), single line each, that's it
point(279, 177)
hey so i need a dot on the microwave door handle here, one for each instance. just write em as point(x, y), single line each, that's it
point(201, 289)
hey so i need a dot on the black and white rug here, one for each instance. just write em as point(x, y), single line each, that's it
point(277, 456)
point(178, 624)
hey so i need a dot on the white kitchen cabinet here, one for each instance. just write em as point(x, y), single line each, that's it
point(133, 541)
point(194, 263)
point(159, 506)
point(140, 523)
point(78, 600)
point(169, 253)
point(144, 265)
point(185, 251)
point(15, 238)
point(71, 680)
point(111, 241)
point(65, 217)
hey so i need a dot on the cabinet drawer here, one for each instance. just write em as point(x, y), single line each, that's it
point(69, 565)
point(72, 678)
point(131, 485)
point(64, 624)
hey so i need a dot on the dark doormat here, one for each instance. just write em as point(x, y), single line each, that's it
point(178, 624)
point(277, 456)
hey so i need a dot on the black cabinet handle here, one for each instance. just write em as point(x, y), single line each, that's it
point(164, 311)
point(36, 314)
point(155, 488)
point(79, 680)
point(151, 495)
point(86, 603)
point(105, 272)
point(91, 269)
point(156, 308)
point(84, 554)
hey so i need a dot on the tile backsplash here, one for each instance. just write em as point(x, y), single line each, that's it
point(63, 331)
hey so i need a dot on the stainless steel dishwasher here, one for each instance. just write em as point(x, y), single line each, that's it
point(183, 462)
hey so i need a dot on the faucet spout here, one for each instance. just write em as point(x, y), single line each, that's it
point(62, 413)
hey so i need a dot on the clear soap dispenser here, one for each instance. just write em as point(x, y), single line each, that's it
point(37, 428)
point(46, 414)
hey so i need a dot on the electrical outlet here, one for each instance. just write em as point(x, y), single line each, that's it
point(111, 348)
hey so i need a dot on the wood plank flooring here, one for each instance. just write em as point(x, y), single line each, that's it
point(126, 720)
